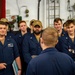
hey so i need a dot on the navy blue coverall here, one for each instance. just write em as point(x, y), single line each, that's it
point(51, 62)
point(67, 46)
point(8, 53)
point(30, 47)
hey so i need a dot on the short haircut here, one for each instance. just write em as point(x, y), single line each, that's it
point(22, 21)
point(57, 19)
point(68, 22)
point(64, 24)
point(3, 23)
point(50, 36)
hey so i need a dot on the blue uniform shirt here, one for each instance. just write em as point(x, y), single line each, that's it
point(30, 47)
point(8, 52)
point(51, 62)
point(67, 46)
point(19, 40)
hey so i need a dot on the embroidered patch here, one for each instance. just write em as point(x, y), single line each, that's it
point(10, 45)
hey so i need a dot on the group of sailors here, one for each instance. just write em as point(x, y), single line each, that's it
point(25, 44)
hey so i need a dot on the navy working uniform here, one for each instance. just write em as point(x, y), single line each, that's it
point(67, 46)
point(30, 47)
point(19, 40)
point(51, 62)
point(8, 53)
point(64, 33)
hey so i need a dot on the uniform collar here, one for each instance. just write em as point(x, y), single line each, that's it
point(49, 50)
point(7, 40)
point(33, 38)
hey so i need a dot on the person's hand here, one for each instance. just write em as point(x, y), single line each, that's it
point(19, 72)
point(2, 65)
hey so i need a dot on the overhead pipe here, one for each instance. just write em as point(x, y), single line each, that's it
point(38, 8)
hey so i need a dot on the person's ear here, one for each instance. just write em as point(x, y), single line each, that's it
point(41, 40)
point(56, 41)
